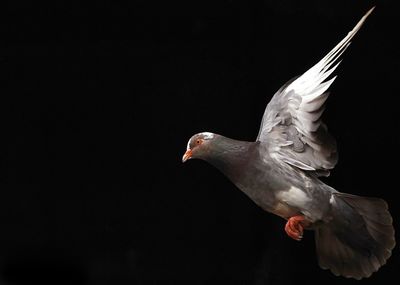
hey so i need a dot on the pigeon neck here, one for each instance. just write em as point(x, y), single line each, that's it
point(229, 155)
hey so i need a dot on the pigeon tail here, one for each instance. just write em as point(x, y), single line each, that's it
point(359, 238)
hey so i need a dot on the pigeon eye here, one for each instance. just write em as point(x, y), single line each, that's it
point(198, 141)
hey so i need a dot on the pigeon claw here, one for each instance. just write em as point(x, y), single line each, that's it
point(295, 227)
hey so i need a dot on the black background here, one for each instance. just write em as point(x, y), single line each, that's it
point(97, 104)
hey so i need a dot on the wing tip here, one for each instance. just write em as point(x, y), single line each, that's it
point(370, 11)
point(366, 16)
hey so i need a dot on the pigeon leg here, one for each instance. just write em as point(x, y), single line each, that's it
point(294, 227)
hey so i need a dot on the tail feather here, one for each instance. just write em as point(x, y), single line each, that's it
point(359, 239)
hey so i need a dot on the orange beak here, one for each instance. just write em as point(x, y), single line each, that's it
point(187, 155)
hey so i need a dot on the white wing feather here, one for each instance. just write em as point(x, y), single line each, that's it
point(310, 85)
point(291, 124)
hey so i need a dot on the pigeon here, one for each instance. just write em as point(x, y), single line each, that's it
point(281, 171)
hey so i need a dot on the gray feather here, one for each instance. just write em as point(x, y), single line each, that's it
point(301, 102)
point(359, 248)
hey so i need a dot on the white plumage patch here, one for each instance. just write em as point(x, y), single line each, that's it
point(294, 197)
point(207, 135)
point(332, 200)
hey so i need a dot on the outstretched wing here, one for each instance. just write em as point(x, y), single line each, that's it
point(291, 126)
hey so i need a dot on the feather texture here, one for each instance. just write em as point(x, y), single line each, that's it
point(300, 104)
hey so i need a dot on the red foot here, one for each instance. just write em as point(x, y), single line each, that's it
point(295, 226)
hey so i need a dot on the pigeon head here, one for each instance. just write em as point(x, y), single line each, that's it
point(198, 145)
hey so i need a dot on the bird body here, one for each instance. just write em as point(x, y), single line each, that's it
point(278, 189)
point(280, 172)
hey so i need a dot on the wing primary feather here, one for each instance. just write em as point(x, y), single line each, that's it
point(299, 105)
point(315, 73)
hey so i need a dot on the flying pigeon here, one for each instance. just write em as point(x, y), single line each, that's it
point(280, 172)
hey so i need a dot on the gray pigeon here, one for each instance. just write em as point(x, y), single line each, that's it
point(280, 172)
